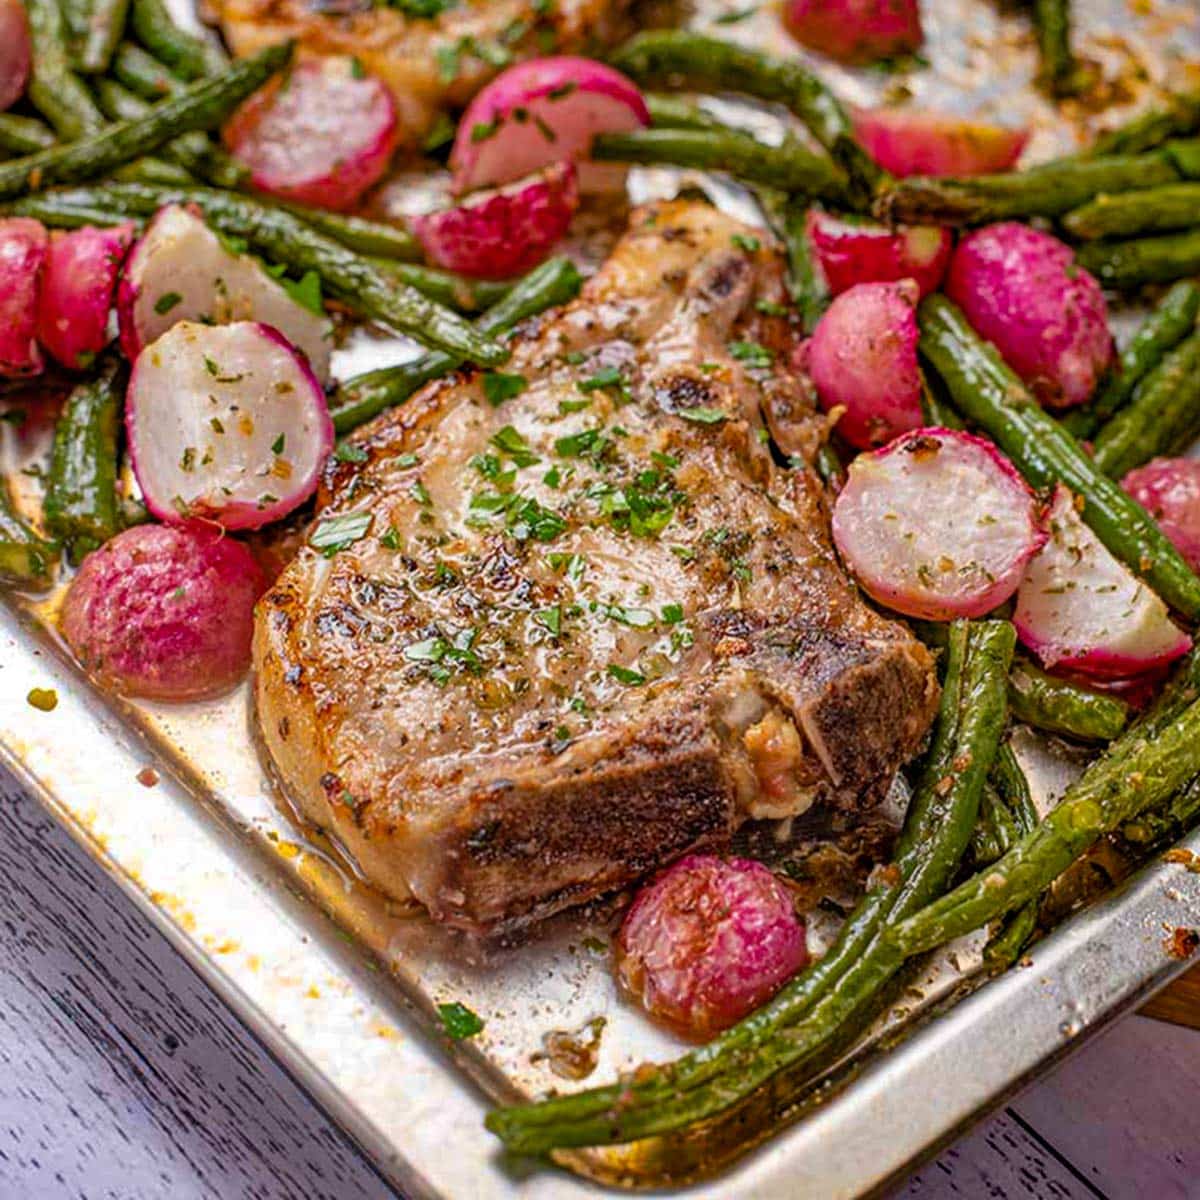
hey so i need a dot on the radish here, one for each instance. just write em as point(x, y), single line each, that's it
point(708, 941)
point(181, 271)
point(495, 234)
point(1080, 608)
point(78, 282)
point(907, 141)
point(544, 111)
point(1169, 490)
point(23, 246)
point(225, 422)
point(1023, 291)
point(165, 612)
point(855, 31)
point(862, 357)
point(321, 135)
point(937, 525)
point(852, 250)
point(16, 52)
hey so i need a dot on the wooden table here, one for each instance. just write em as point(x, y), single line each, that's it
point(123, 1077)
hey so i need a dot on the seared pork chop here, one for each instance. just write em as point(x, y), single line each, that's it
point(430, 62)
point(572, 620)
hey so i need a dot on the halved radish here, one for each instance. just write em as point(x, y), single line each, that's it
point(854, 250)
point(862, 357)
point(1169, 490)
point(225, 422)
point(1080, 608)
point(938, 525)
point(496, 234)
point(16, 52)
point(855, 31)
point(321, 135)
point(544, 111)
point(181, 271)
point(23, 246)
point(76, 295)
point(907, 141)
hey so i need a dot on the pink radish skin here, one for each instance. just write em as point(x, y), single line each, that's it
point(23, 247)
point(1023, 291)
point(937, 525)
point(1169, 490)
point(851, 250)
point(540, 112)
point(708, 941)
point(862, 357)
point(225, 422)
point(497, 234)
point(181, 271)
point(77, 289)
point(1080, 609)
point(165, 612)
point(908, 141)
point(855, 31)
point(16, 52)
point(322, 135)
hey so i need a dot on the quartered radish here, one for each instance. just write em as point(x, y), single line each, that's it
point(225, 422)
point(1081, 609)
point(852, 250)
point(544, 111)
point(907, 141)
point(862, 358)
point(496, 234)
point(321, 135)
point(181, 271)
point(937, 525)
point(23, 246)
point(1169, 490)
point(855, 31)
point(16, 52)
point(78, 284)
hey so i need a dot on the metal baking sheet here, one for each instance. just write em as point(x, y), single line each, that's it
point(342, 986)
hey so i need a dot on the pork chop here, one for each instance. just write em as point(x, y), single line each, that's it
point(569, 621)
point(431, 62)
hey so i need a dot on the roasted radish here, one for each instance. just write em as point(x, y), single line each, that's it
point(493, 235)
point(855, 31)
point(321, 135)
point(862, 357)
point(1023, 291)
point(1081, 609)
point(852, 250)
point(907, 141)
point(708, 941)
point(541, 112)
point(225, 422)
point(1169, 490)
point(78, 283)
point(23, 246)
point(16, 52)
point(937, 525)
point(165, 612)
point(181, 271)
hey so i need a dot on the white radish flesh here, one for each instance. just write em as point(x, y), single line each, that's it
point(1080, 608)
point(936, 525)
point(227, 423)
point(181, 271)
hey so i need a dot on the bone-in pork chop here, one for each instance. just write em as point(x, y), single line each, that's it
point(571, 620)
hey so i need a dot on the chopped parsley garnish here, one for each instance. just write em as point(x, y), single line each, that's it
point(347, 452)
point(771, 308)
point(498, 387)
point(422, 8)
point(523, 516)
point(550, 619)
point(585, 442)
point(751, 353)
point(573, 406)
point(306, 291)
point(744, 242)
point(672, 614)
point(572, 565)
point(606, 377)
point(510, 442)
point(668, 462)
point(336, 533)
point(215, 371)
point(635, 618)
point(625, 675)
point(442, 133)
point(391, 539)
point(438, 654)
point(703, 416)
point(278, 444)
point(552, 478)
point(166, 302)
point(404, 461)
point(458, 1021)
point(482, 130)
point(420, 494)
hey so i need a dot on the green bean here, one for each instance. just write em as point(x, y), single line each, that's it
point(1136, 773)
point(1057, 706)
point(25, 558)
point(1052, 24)
point(807, 1016)
point(455, 291)
point(359, 399)
point(934, 409)
point(54, 89)
point(1162, 418)
point(379, 239)
point(56, 215)
point(105, 27)
point(81, 506)
point(829, 466)
point(191, 56)
point(1013, 786)
point(1129, 264)
point(995, 829)
point(1162, 330)
point(986, 391)
point(1156, 210)
point(669, 112)
point(1149, 130)
point(203, 106)
point(789, 166)
point(1184, 154)
point(143, 74)
point(156, 171)
point(1010, 941)
point(788, 218)
point(24, 135)
point(1165, 821)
